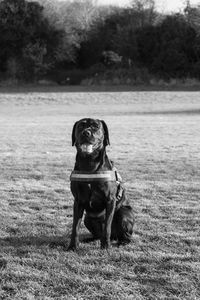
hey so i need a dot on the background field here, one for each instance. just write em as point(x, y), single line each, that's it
point(155, 143)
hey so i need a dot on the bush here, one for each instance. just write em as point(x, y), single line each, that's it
point(119, 76)
point(68, 77)
point(28, 42)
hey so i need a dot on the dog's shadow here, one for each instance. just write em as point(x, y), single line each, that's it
point(53, 241)
point(38, 241)
point(59, 241)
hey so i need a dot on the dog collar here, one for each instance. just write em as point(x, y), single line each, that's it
point(102, 176)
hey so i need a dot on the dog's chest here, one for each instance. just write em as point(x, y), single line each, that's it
point(94, 198)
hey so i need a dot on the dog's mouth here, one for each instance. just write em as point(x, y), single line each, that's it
point(87, 148)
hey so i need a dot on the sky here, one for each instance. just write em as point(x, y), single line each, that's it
point(162, 5)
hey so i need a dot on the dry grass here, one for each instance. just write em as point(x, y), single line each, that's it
point(155, 143)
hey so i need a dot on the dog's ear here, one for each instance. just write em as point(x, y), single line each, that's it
point(73, 134)
point(106, 134)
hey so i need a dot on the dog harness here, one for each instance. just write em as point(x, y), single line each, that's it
point(100, 176)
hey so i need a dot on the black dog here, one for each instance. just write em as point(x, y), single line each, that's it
point(97, 188)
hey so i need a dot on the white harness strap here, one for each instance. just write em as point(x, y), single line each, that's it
point(96, 176)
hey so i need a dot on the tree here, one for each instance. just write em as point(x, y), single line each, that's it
point(192, 14)
point(144, 12)
point(75, 19)
point(176, 46)
point(148, 45)
point(28, 42)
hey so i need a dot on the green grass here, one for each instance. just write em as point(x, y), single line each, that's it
point(155, 144)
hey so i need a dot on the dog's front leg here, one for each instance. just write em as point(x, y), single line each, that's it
point(110, 209)
point(77, 217)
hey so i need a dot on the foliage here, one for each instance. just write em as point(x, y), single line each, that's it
point(168, 48)
point(75, 19)
point(36, 37)
point(28, 41)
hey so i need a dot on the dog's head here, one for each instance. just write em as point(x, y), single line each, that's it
point(90, 135)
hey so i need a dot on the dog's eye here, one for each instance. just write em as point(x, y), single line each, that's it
point(80, 126)
point(95, 125)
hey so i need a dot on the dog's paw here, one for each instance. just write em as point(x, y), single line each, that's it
point(71, 247)
point(105, 244)
point(124, 242)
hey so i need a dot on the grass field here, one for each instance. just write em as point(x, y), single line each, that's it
point(155, 143)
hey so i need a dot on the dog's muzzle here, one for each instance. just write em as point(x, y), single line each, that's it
point(89, 148)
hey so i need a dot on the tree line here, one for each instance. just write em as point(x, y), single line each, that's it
point(48, 36)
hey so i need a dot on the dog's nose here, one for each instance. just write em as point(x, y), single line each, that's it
point(87, 133)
